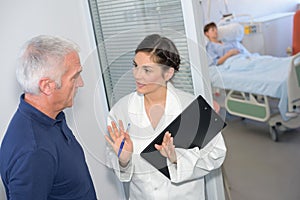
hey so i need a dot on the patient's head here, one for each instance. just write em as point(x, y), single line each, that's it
point(209, 26)
point(211, 31)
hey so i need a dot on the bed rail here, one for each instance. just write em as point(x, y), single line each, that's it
point(248, 105)
point(294, 87)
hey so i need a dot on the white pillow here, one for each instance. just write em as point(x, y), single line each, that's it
point(231, 32)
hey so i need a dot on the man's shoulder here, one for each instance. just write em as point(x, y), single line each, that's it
point(19, 125)
point(16, 141)
point(23, 135)
point(210, 44)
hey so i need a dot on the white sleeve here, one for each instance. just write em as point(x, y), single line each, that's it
point(195, 163)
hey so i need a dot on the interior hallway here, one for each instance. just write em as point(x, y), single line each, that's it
point(257, 168)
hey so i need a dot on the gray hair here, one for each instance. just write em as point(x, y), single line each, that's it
point(42, 56)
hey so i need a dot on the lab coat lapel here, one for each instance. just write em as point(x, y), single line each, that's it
point(137, 112)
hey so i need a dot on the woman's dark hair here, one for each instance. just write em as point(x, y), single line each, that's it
point(163, 50)
point(208, 26)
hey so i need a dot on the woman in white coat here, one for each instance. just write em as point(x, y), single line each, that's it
point(148, 110)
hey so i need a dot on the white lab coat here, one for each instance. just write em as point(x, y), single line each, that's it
point(187, 176)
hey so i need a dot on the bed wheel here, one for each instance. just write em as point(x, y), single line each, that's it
point(274, 133)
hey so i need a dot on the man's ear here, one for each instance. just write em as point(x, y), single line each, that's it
point(206, 34)
point(47, 86)
point(169, 74)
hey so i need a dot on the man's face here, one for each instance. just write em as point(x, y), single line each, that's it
point(70, 81)
point(212, 33)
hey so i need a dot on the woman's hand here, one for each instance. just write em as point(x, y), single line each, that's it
point(167, 148)
point(116, 137)
point(216, 106)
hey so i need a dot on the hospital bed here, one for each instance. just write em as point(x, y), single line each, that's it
point(262, 88)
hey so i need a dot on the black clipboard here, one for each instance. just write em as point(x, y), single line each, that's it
point(194, 127)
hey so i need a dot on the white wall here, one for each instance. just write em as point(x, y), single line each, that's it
point(21, 20)
point(251, 7)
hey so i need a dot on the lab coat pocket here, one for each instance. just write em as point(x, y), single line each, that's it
point(141, 186)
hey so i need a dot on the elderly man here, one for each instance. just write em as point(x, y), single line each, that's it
point(40, 157)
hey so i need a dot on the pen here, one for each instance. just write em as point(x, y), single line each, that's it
point(123, 141)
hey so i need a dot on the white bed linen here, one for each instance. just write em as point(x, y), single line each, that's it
point(264, 75)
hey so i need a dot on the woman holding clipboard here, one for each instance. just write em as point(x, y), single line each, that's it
point(147, 111)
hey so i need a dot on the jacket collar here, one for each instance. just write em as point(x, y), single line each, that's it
point(37, 115)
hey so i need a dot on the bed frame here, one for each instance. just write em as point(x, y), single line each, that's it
point(259, 107)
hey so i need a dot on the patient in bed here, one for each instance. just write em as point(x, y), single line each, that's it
point(219, 51)
point(231, 63)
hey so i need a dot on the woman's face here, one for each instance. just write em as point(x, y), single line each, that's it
point(148, 75)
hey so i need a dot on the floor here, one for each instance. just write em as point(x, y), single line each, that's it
point(256, 167)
